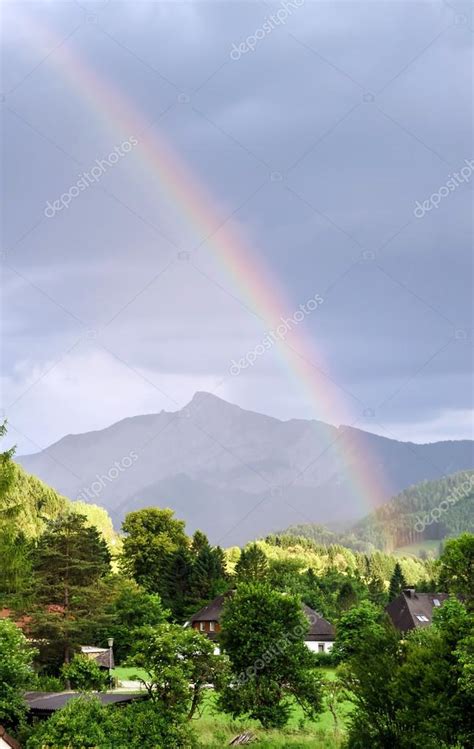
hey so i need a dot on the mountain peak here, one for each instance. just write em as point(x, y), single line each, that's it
point(202, 396)
point(203, 399)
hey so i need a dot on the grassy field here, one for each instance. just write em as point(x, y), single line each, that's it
point(215, 730)
point(129, 673)
point(430, 547)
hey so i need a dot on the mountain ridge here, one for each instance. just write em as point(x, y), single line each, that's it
point(232, 459)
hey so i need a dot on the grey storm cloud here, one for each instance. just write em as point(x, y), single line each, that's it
point(315, 146)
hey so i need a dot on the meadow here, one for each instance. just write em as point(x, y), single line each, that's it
point(215, 729)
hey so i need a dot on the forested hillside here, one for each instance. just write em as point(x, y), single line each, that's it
point(430, 510)
point(28, 503)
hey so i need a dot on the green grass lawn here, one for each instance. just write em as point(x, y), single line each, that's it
point(216, 729)
point(130, 673)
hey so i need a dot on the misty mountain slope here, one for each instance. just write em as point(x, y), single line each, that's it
point(216, 463)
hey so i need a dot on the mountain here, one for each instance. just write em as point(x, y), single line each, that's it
point(216, 463)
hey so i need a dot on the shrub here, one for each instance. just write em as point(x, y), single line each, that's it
point(84, 674)
point(84, 723)
point(325, 660)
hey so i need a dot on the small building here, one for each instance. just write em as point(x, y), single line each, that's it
point(43, 704)
point(319, 638)
point(104, 657)
point(412, 610)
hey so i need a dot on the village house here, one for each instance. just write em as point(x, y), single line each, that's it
point(319, 638)
point(412, 610)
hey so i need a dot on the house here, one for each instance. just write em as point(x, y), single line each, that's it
point(104, 657)
point(321, 634)
point(6, 741)
point(319, 638)
point(412, 610)
point(44, 704)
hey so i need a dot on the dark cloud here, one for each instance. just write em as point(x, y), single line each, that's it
point(315, 147)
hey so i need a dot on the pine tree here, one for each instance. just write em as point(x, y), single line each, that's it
point(69, 565)
point(397, 582)
point(252, 565)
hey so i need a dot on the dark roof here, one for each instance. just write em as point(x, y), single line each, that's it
point(213, 611)
point(45, 703)
point(320, 628)
point(411, 610)
point(9, 740)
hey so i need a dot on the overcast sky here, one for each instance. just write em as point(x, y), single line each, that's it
point(315, 129)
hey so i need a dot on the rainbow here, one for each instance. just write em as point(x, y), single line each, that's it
point(243, 265)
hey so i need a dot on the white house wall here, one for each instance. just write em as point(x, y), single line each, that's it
point(314, 646)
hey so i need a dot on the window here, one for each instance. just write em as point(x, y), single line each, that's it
point(320, 647)
point(422, 618)
point(212, 626)
point(202, 626)
point(436, 602)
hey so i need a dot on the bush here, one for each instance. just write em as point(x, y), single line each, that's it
point(84, 674)
point(47, 683)
point(84, 723)
point(325, 660)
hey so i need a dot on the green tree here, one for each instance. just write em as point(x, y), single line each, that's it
point(369, 674)
point(409, 691)
point(436, 709)
point(364, 622)
point(208, 575)
point(456, 567)
point(252, 565)
point(85, 674)
point(129, 610)
point(263, 636)
point(155, 542)
point(16, 673)
point(70, 563)
point(15, 566)
point(7, 471)
point(179, 663)
point(397, 582)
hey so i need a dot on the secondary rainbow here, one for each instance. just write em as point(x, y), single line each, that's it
point(256, 283)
